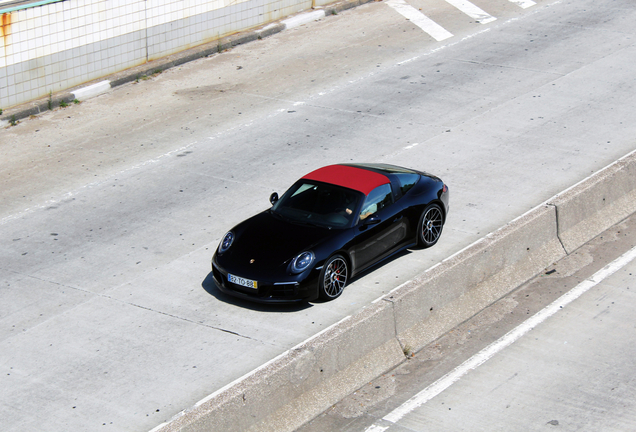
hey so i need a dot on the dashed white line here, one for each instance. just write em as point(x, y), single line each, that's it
point(523, 3)
point(429, 26)
point(484, 355)
point(472, 11)
point(376, 428)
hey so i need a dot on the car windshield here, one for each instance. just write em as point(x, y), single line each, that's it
point(319, 204)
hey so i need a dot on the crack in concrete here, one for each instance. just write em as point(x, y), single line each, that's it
point(130, 304)
point(511, 67)
point(184, 319)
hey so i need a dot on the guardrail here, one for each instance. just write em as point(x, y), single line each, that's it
point(299, 384)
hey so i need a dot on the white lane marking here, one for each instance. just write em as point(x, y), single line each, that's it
point(384, 296)
point(481, 357)
point(472, 11)
point(376, 428)
point(247, 375)
point(427, 53)
point(436, 31)
point(523, 3)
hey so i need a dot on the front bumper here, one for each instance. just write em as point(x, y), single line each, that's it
point(302, 290)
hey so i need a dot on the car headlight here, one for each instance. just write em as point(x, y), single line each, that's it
point(225, 244)
point(302, 262)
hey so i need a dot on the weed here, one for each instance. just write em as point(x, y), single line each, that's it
point(13, 121)
point(63, 104)
point(77, 101)
point(0, 111)
point(50, 102)
point(408, 352)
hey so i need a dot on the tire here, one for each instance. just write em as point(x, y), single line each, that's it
point(333, 278)
point(430, 227)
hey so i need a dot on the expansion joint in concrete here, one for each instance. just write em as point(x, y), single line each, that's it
point(558, 230)
point(405, 349)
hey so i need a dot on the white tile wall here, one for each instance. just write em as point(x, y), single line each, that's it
point(59, 45)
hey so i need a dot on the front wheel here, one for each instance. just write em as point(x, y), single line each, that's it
point(333, 277)
point(430, 226)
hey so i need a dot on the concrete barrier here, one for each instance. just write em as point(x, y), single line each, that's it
point(306, 380)
point(598, 202)
point(470, 280)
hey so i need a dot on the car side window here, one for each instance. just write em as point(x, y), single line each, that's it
point(377, 199)
point(407, 181)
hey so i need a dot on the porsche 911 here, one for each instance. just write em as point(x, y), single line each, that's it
point(329, 226)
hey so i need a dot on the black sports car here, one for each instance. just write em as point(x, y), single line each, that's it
point(330, 225)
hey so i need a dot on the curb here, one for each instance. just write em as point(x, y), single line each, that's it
point(296, 386)
point(88, 90)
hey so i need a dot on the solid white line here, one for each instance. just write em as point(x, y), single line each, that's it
point(523, 3)
point(472, 11)
point(436, 31)
point(247, 375)
point(481, 357)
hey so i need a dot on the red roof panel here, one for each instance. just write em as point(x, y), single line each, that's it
point(350, 177)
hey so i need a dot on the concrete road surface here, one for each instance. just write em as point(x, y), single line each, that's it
point(557, 354)
point(110, 210)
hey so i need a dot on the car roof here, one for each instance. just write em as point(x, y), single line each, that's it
point(352, 177)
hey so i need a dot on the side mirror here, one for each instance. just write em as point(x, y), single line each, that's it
point(372, 220)
point(273, 198)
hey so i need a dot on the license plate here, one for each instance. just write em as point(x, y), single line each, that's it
point(248, 283)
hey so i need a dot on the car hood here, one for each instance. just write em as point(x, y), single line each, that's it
point(266, 243)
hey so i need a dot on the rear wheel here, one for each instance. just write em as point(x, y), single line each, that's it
point(430, 227)
point(333, 277)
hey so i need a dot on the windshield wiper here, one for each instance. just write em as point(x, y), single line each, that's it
point(314, 224)
point(280, 216)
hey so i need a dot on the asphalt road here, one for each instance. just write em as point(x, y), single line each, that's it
point(110, 210)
